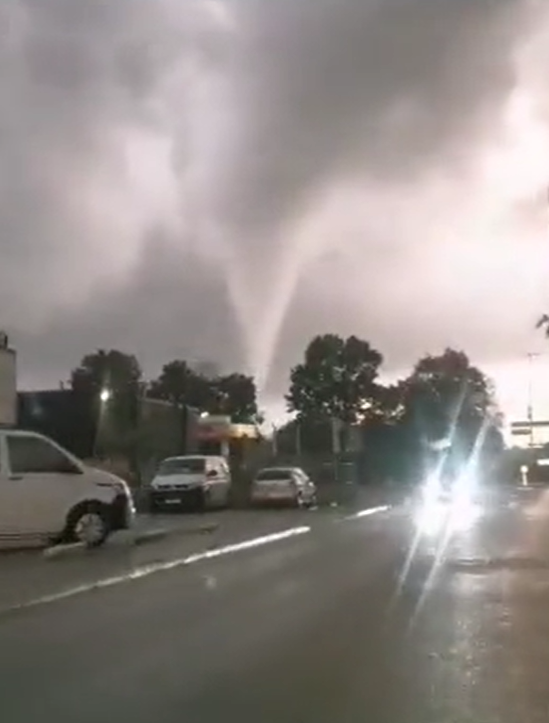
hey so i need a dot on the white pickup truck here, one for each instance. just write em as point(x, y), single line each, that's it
point(48, 495)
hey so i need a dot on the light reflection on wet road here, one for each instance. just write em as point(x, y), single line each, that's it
point(309, 628)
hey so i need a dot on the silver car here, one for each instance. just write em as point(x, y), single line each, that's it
point(283, 485)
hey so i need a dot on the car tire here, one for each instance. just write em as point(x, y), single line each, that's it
point(88, 524)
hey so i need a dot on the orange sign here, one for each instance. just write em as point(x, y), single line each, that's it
point(220, 428)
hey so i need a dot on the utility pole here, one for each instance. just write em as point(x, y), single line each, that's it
point(336, 445)
point(298, 438)
point(531, 357)
point(275, 442)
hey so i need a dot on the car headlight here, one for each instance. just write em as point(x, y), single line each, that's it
point(431, 488)
point(466, 485)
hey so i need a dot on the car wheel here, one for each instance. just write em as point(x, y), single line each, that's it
point(88, 524)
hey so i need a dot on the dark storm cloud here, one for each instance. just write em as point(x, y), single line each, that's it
point(175, 304)
point(72, 75)
point(381, 89)
point(226, 125)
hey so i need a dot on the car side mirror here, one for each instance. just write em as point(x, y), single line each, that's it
point(211, 474)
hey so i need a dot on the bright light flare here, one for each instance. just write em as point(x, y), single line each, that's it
point(453, 511)
point(463, 514)
point(431, 489)
point(432, 518)
point(457, 516)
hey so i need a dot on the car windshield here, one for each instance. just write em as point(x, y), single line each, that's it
point(182, 465)
point(271, 475)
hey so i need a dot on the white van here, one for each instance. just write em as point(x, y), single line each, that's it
point(48, 495)
point(199, 481)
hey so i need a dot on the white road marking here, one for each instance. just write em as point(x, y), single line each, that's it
point(146, 570)
point(368, 512)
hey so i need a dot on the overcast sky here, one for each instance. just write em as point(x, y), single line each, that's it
point(221, 180)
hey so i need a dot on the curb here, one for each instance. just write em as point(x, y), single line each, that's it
point(136, 540)
point(162, 533)
point(56, 551)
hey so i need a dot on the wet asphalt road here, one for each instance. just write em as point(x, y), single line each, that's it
point(328, 625)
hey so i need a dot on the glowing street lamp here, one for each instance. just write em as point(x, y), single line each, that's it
point(105, 395)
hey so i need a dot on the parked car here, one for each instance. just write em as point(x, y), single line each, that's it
point(196, 481)
point(289, 485)
point(47, 494)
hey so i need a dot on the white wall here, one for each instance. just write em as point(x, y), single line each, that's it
point(8, 387)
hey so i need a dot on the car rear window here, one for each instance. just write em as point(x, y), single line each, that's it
point(190, 465)
point(267, 475)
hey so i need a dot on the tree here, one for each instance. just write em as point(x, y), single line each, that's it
point(337, 379)
point(111, 370)
point(236, 396)
point(181, 386)
point(233, 395)
point(113, 379)
point(448, 398)
point(543, 323)
point(386, 406)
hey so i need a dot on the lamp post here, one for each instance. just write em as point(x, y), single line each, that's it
point(275, 442)
point(104, 396)
point(336, 426)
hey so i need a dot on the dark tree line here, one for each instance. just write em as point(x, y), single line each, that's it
point(127, 421)
point(115, 381)
point(336, 384)
point(444, 399)
point(119, 375)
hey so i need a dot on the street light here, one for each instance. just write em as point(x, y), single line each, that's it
point(103, 411)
